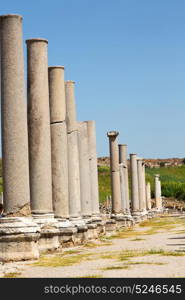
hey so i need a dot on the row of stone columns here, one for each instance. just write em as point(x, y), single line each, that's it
point(49, 158)
point(140, 203)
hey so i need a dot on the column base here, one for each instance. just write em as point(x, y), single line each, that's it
point(18, 239)
point(67, 231)
point(81, 236)
point(137, 216)
point(49, 236)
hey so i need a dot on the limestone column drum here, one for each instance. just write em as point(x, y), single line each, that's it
point(73, 153)
point(134, 184)
point(18, 235)
point(85, 187)
point(157, 192)
point(14, 116)
point(144, 186)
point(125, 190)
point(59, 147)
point(39, 127)
point(115, 175)
point(91, 130)
point(148, 196)
point(140, 184)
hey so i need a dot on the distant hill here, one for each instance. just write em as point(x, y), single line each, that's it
point(150, 162)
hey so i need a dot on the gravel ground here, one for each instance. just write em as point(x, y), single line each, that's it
point(94, 265)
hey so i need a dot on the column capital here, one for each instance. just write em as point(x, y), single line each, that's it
point(112, 134)
point(11, 16)
point(32, 40)
point(56, 67)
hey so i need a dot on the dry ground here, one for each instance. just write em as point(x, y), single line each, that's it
point(155, 248)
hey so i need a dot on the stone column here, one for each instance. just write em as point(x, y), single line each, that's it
point(115, 175)
point(58, 142)
point(141, 188)
point(124, 185)
point(39, 127)
point(158, 192)
point(14, 117)
point(148, 196)
point(73, 153)
point(144, 187)
point(134, 185)
point(93, 169)
point(85, 187)
point(18, 235)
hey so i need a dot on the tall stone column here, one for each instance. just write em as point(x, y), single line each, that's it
point(148, 196)
point(85, 187)
point(39, 127)
point(39, 135)
point(115, 175)
point(141, 189)
point(14, 116)
point(158, 192)
point(134, 185)
point(124, 184)
point(58, 142)
point(144, 187)
point(73, 153)
point(18, 235)
point(91, 130)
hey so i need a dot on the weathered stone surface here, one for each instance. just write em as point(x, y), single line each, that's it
point(57, 94)
point(39, 127)
point(158, 199)
point(18, 239)
point(134, 184)
point(74, 175)
point(14, 117)
point(115, 175)
point(70, 106)
point(49, 235)
point(148, 196)
point(141, 189)
point(93, 167)
point(85, 187)
point(125, 190)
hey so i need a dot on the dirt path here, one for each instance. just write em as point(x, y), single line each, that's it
point(156, 248)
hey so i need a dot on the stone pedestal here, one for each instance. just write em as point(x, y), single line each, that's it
point(49, 235)
point(18, 239)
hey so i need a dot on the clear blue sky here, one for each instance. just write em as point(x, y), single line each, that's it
point(128, 60)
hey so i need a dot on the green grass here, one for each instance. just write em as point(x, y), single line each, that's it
point(61, 261)
point(104, 183)
point(11, 275)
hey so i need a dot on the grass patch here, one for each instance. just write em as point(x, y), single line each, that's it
point(137, 239)
point(145, 263)
point(94, 245)
point(61, 261)
point(68, 252)
point(115, 268)
point(91, 276)
point(11, 275)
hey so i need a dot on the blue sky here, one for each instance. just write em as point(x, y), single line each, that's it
point(127, 58)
